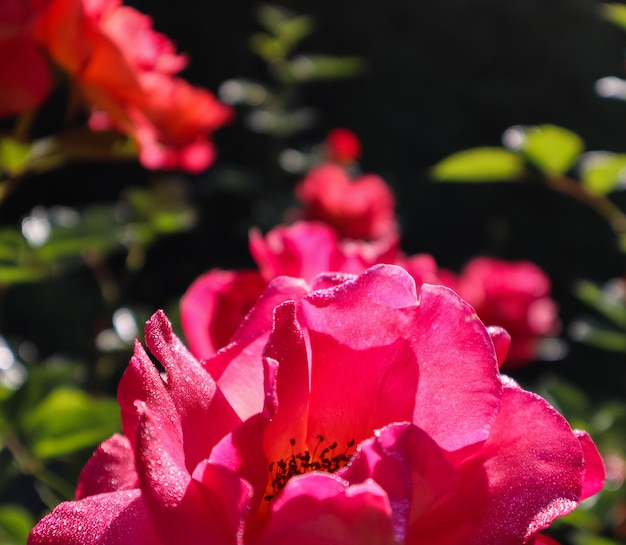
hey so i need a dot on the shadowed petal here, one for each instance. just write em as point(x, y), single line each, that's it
point(214, 306)
point(528, 473)
point(410, 467)
point(320, 508)
point(229, 497)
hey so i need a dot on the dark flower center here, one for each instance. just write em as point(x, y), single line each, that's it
point(328, 459)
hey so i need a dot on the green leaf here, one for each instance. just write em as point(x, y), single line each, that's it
point(317, 67)
point(15, 524)
point(602, 172)
point(295, 29)
point(616, 13)
point(588, 539)
point(69, 420)
point(483, 164)
point(598, 335)
point(13, 156)
point(10, 274)
point(552, 149)
point(602, 300)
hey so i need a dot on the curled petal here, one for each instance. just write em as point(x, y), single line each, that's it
point(501, 342)
point(198, 402)
point(595, 472)
point(142, 381)
point(287, 348)
point(163, 476)
point(236, 368)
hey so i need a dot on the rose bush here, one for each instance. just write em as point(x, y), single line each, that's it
point(354, 410)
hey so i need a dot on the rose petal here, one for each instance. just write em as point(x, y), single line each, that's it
point(534, 467)
point(302, 250)
point(501, 342)
point(364, 371)
point(286, 346)
point(198, 402)
point(214, 306)
point(410, 467)
point(142, 381)
point(118, 518)
point(541, 539)
point(459, 390)
point(595, 472)
point(174, 500)
point(237, 368)
point(229, 497)
point(321, 508)
point(111, 468)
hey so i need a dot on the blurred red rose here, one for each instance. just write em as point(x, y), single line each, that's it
point(512, 295)
point(25, 77)
point(342, 146)
point(353, 411)
point(123, 69)
point(360, 208)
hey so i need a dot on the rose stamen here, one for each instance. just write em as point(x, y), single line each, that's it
point(302, 462)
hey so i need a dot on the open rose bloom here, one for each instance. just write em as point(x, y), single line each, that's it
point(348, 410)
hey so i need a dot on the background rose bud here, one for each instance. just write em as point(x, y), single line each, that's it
point(360, 208)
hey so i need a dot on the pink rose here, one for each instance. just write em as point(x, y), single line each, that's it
point(218, 301)
point(356, 411)
point(360, 208)
point(512, 295)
